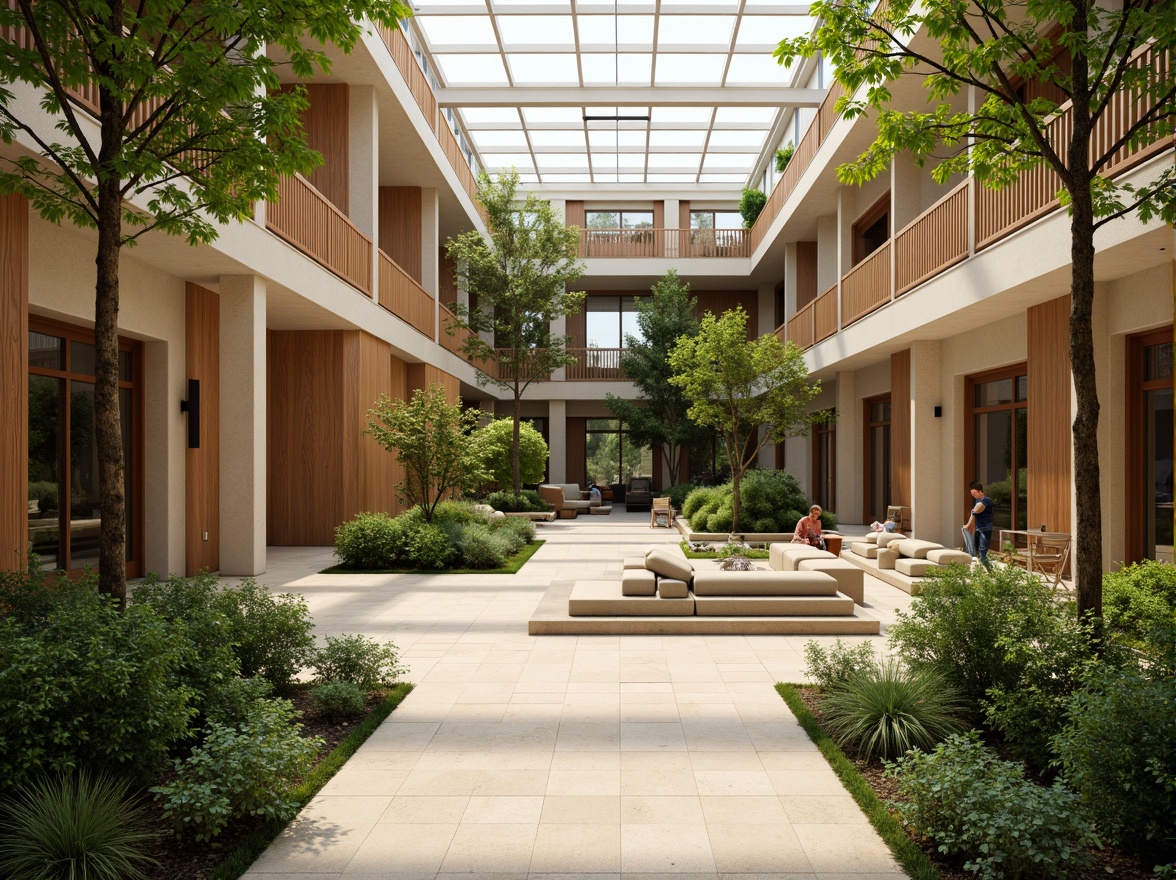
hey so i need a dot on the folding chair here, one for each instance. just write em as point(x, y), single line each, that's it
point(1050, 557)
point(660, 513)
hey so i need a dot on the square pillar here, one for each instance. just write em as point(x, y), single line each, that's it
point(14, 367)
point(363, 146)
point(430, 243)
point(849, 451)
point(557, 439)
point(242, 425)
point(929, 520)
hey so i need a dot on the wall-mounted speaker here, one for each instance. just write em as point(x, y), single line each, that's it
point(192, 407)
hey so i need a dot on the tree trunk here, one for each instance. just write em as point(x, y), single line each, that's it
point(112, 540)
point(736, 476)
point(515, 465)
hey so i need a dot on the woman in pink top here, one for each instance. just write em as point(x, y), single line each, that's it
point(808, 529)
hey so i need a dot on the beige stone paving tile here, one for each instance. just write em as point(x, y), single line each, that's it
point(770, 735)
point(678, 761)
point(586, 760)
point(646, 688)
point(323, 837)
point(541, 686)
point(660, 810)
point(476, 698)
point(761, 712)
point(425, 810)
point(674, 848)
point(716, 736)
point(810, 759)
point(460, 736)
point(419, 713)
point(813, 783)
point(402, 848)
point(592, 698)
point(556, 697)
point(744, 760)
point(597, 714)
point(406, 737)
point(726, 783)
point(770, 876)
point(498, 810)
point(713, 686)
point(803, 809)
point(444, 759)
point(639, 698)
point(584, 782)
point(658, 782)
point(366, 759)
point(588, 736)
point(592, 848)
point(474, 712)
point(745, 809)
point(512, 782)
point(498, 672)
point(440, 782)
point(512, 758)
point(517, 712)
point(350, 782)
point(652, 737)
point(757, 848)
point(713, 712)
point(581, 810)
point(830, 849)
point(486, 849)
point(539, 734)
point(651, 714)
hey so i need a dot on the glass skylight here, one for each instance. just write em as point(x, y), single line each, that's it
point(554, 48)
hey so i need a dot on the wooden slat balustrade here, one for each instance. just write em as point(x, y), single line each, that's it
point(452, 341)
point(866, 287)
point(400, 294)
point(825, 314)
point(595, 364)
point(934, 240)
point(306, 219)
point(800, 327)
point(671, 243)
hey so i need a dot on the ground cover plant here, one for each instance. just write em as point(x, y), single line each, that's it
point(723, 551)
point(459, 538)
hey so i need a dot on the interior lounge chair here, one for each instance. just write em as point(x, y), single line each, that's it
point(661, 514)
point(639, 493)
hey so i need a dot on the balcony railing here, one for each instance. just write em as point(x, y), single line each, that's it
point(400, 294)
point(933, 241)
point(866, 287)
point(306, 219)
point(453, 341)
point(596, 365)
point(670, 243)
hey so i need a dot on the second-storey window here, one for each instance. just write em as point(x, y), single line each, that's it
point(716, 220)
point(618, 219)
point(608, 319)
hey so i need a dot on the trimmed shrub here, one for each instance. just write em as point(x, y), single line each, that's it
point(678, 493)
point(770, 501)
point(460, 512)
point(73, 826)
point(429, 547)
point(963, 622)
point(232, 703)
point(508, 502)
point(91, 687)
point(358, 660)
point(1117, 751)
point(1138, 600)
point(521, 529)
point(270, 632)
point(696, 499)
point(479, 547)
point(830, 667)
point(339, 700)
point(969, 803)
point(239, 770)
point(370, 541)
point(887, 709)
point(492, 446)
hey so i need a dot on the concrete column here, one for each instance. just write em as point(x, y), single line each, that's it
point(849, 450)
point(430, 243)
point(929, 520)
point(790, 263)
point(828, 254)
point(671, 208)
point(364, 166)
point(559, 327)
point(767, 309)
point(560, 208)
point(242, 424)
point(557, 437)
point(164, 492)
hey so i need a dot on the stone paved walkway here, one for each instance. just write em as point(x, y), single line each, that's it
point(600, 757)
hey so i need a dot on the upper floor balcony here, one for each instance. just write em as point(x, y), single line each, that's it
point(665, 243)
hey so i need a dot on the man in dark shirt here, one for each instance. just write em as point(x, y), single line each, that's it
point(980, 522)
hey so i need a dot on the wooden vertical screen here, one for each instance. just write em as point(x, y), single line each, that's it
point(14, 402)
point(577, 328)
point(423, 375)
point(683, 214)
point(717, 302)
point(574, 213)
point(1049, 417)
point(326, 122)
point(400, 227)
point(447, 288)
point(577, 460)
point(900, 429)
point(202, 466)
point(806, 273)
point(378, 470)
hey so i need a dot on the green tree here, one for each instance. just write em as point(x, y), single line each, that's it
point(751, 392)
point(430, 437)
point(493, 446)
point(1014, 57)
point(191, 131)
point(658, 418)
point(519, 278)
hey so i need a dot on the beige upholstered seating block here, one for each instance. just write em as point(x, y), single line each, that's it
point(850, 579)
point(916, 549)
point(601, 599)
point(947, 556)
point(784, 557)
point(868, 551)
point(670, 566)
point(763, 583)
point(601, 510)
point(638, 583)
point(872, 538)
point(758, 606)
point(913, 567)
point(886, 557)
point(885, 538)
point(670, 588)
point(633, 563)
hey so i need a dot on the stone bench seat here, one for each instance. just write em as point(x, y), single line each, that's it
point(763, 583)
point(850, 579)
point(784, 557)
point(783, 606)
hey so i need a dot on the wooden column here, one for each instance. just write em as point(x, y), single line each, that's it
point(14, 401)
point(327, 129)
point(202, 466)
point(1048, 442)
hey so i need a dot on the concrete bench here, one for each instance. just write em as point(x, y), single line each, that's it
point(784, 557)
point(764, 583)
point(850, 579)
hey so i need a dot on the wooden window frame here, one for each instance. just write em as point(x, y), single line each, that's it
point(1133, 460)
point(971, 410)
point(137, 384)
point(867, 219)
point(868, 502)
point(829, 428)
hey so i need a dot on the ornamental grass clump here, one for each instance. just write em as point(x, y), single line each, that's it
point(69, 826)
point(887, 709)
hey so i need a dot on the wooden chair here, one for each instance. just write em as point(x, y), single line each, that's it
point(1050, 556)
point(660, 510)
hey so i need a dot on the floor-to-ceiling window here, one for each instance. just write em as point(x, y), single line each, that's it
point(609, 319)
point(1149, 447)
point(64, 513)
point(877, 469)
point(825, 464)
point(611, 456)
point(996, 452)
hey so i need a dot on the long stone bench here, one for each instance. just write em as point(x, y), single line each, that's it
point(801, 558)
point(900, 560)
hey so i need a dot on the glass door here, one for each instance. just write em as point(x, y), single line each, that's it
point(1149, 448)
point(997, 451)
point(877, 470)
point(825, 464)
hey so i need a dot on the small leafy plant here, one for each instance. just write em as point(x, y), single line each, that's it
point(751, 203)
point(358, 660)
point(339, 700)
point(784, 156)
point(830, 667)
point(271, 632)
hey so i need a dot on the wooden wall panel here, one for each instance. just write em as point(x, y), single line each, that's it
point(577, 452)
point(400, 227)
point(659, 214)
point(423, 375)
point(577, 329)
point(14, 401)
point(900, 430)
point(1049, 416)
point(447, 287)
point(806, 273)
point(717, 302)
point(326, 123)
point(377, 472)
point(684, 214)
point(202, 466)
point(574, 213)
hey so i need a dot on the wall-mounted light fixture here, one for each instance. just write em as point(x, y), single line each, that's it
point(191, 406)
point(938, 412)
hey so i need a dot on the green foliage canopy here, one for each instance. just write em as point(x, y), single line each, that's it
point(492, 446)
